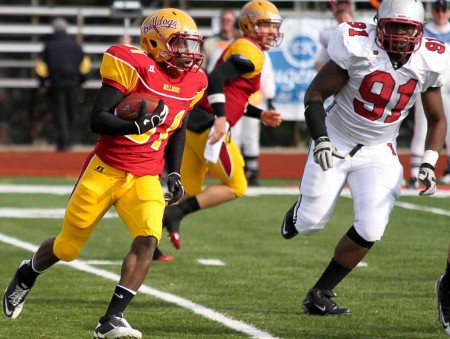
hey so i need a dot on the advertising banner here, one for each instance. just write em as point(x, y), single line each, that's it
point(293, 63)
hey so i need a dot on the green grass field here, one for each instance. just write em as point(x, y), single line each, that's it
point(261, 284)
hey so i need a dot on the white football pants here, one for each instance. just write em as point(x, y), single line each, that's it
point(374, 176)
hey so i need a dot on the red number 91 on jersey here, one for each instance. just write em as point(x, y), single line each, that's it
point(129, 107)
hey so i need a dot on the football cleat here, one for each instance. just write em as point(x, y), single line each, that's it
point(15, 295)
point(174, 238)
point(113, 326)
point(288, 230)
point(160, 256)
point(443, 304)
point(318, 302)
point(172, 218)
point(165, 258)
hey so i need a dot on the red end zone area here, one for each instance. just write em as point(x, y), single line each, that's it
point(273, 163)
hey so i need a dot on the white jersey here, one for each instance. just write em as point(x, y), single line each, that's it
point(441, 33)
point(371, 106)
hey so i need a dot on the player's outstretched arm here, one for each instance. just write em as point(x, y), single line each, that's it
point(226, 71)
point(330, 79)
point(174, 155)
point(436, 131)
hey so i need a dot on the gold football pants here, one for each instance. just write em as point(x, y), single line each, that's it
point(139, 202)
point(229, 169)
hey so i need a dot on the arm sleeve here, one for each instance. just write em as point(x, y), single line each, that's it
point(226, 71)
point(252, 111)
point(103, 121)
point(175, 147)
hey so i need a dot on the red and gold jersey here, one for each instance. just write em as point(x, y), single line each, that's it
point(131, 70)
point(238, 90)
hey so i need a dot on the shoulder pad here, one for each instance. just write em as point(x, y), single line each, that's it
point(245, 52)
point(241, 60)
point(351, 40)
point(433, 55)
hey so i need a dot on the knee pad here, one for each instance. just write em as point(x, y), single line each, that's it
point(353, 234)
point(65, 250)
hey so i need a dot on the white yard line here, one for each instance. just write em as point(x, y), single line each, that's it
point(198, 309)
point(57, 213)
point(208, 313)
point(40, 213)
point(418, 208)
point(251, 191)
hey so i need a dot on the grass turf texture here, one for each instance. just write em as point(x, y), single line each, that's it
point(262, 283)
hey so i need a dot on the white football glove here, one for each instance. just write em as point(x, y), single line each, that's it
point(324, 152)
point(428, 178)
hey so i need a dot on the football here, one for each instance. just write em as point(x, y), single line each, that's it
point(129, 107)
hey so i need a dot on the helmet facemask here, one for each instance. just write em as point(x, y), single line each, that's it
point(171, 37)
point(400, 27)
point(260, 19)
point(183, 51)
point(407, 41)
point(277, 37)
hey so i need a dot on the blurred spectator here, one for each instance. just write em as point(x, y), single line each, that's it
point(438, 28)
point(215, 45)
point(126, 40)
point(343, 12)
point(61, 68)
point(4, 113)
point(246, 132)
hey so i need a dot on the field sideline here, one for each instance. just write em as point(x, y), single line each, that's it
point(267, 310)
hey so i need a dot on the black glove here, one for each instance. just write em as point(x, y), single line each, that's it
point(147, 121)
point(428, 178)
point(174, 187)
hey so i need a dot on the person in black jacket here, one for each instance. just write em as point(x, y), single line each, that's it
point(61, 70)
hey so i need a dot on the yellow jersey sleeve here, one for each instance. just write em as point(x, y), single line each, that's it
point(249, 50)
point(115, 70)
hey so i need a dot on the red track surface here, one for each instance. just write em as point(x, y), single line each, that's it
point(273, 164)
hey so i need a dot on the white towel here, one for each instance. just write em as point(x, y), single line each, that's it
point(212, 151)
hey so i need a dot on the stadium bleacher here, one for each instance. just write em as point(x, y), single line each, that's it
point(23, 29)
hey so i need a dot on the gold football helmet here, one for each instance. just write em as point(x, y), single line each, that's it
point(171, 36)
point(258, 12)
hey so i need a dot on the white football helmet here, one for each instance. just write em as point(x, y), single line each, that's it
point(404, 13)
